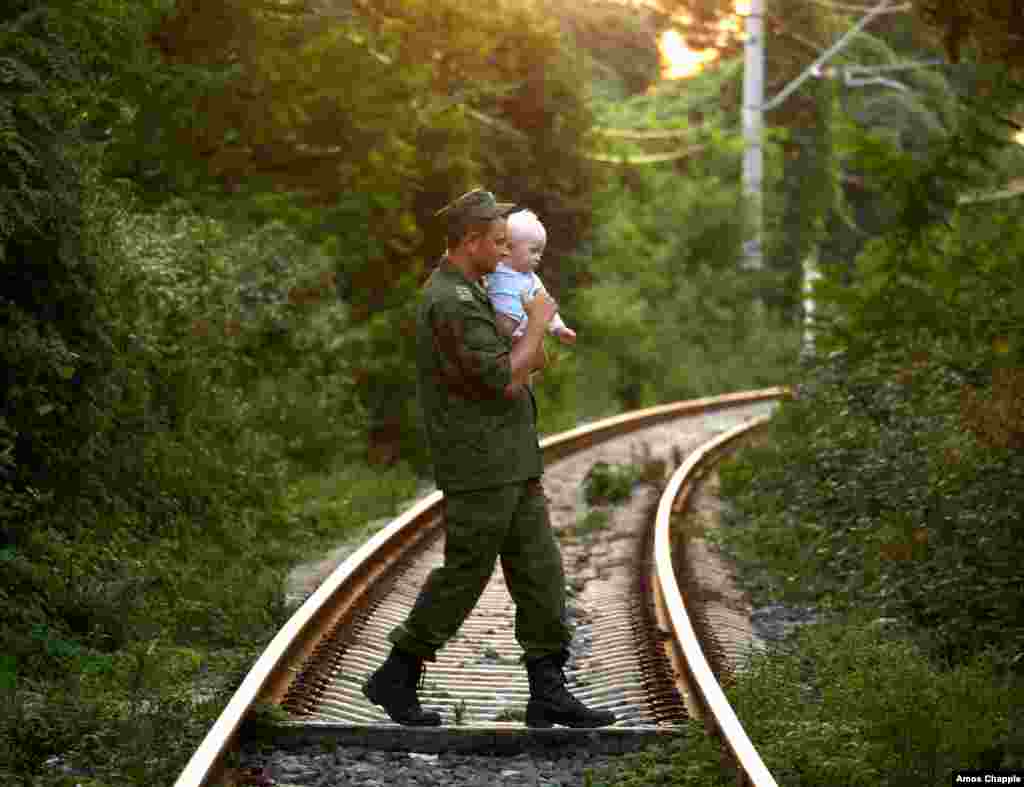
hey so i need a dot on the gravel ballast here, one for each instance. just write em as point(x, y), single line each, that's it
point(566, 765)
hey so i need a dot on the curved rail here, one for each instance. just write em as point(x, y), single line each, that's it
point(685, 652)
point(270, 676)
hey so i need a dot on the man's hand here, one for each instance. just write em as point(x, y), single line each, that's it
point(528, 352)
point(540, 308)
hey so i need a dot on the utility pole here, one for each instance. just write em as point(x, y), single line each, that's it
point(753, 130)
point(754, 107)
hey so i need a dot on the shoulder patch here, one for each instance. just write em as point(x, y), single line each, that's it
point(463, 293)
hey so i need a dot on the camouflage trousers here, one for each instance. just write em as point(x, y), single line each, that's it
point(509, 523)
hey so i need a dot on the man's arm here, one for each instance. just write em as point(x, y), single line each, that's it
point(473, 360)
point(507, 326)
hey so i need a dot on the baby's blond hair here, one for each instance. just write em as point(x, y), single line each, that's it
point(524, 225)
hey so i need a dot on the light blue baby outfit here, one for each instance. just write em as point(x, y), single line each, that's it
point(506, 288)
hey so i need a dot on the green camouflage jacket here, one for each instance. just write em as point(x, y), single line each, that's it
point(478, 437)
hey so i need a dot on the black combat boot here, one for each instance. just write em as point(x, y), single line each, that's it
point(550, 701)
point(394, 685)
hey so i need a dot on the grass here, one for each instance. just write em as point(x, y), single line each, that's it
point(592, 522)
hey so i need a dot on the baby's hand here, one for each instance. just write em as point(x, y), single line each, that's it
point(565, 335)
point(540, 307)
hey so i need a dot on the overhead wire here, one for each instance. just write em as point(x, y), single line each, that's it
point(860, 9)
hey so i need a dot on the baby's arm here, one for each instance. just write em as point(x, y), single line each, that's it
point(557, 327)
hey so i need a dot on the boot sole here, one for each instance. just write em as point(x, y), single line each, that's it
point(371, 695)
point(540, 720)
point(545, 724)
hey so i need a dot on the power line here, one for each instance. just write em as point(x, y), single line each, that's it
point(629, 133)
point(860, 9)
point(653, 158)
point(814, 69)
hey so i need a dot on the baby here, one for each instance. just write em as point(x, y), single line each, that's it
point(514, 279)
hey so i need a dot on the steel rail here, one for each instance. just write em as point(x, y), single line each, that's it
point(270, 676)
point(686, 654)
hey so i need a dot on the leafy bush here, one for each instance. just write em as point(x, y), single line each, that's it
point(872, 489)
point(592, 522)
point(605, 483)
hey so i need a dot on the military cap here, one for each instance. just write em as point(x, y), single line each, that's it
point(475, 205)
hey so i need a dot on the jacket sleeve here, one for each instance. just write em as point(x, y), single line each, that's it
point(473, 357)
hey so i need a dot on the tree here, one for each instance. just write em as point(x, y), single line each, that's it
point(356, 125)
point(991, 29)
point(621, 38)
point(61, 71)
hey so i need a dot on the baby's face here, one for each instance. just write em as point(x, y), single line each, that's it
point(524, 254)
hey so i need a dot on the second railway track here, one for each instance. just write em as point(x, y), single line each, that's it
point(627, 653)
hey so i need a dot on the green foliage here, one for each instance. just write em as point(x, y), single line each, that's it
point(593, 522)
point(605, 483)
point(666, 284)
point(908, 155)
point(991, 31)
point(807, 192)
point(675, 104)
point(944, 270)
point(958, 284)
point(298, 123)
point(56, 339)
point(873, 491)
point(98, 732)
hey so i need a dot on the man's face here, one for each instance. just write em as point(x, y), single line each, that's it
point(524, 254)
point(487, 249)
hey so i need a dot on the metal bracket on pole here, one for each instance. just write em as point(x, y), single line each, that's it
point(860, 76)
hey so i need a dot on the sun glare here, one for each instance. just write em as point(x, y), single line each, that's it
point(679, 61)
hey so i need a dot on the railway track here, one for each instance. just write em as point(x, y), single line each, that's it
point(635, 650)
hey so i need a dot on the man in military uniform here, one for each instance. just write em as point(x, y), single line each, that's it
point(480, 418)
